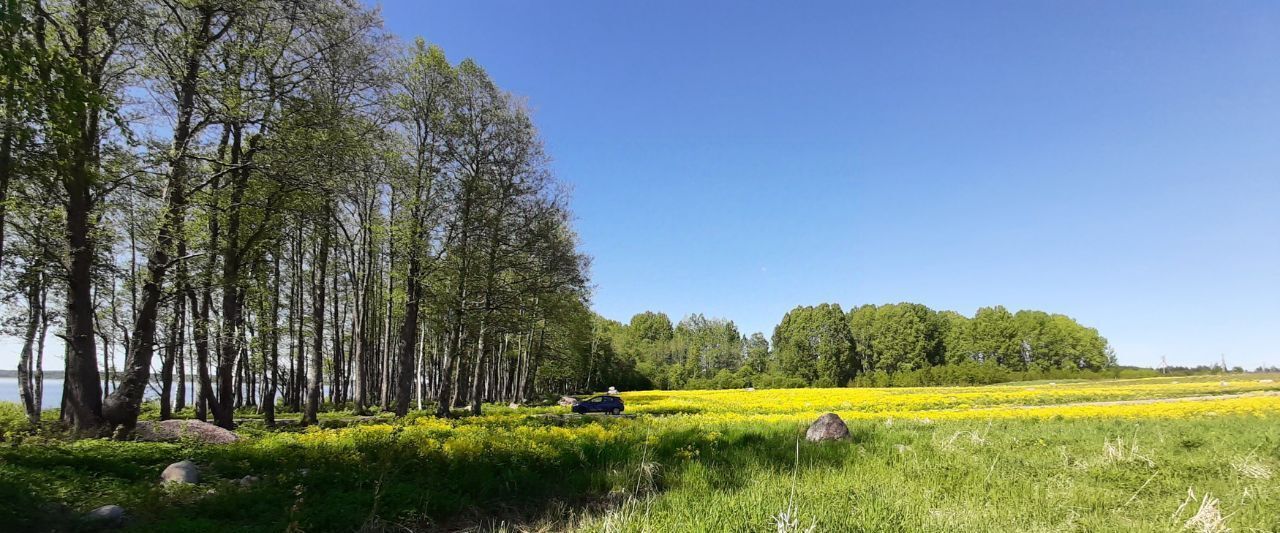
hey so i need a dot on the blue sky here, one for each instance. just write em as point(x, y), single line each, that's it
point(1115, 161)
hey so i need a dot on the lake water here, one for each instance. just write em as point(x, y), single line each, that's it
point(52, 392)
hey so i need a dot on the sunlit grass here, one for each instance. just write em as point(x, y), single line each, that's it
point(1024, 457)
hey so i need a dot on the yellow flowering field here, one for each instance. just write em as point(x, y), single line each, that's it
point(896, 401)
point(550, 434)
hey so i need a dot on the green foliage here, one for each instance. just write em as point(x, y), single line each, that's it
point(904, 344)
point(651, 327)
point(815, 344)
point(708, 346)
point(898, 337)
point(13, 420)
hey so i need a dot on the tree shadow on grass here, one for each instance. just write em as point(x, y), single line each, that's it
point(387, 484)
point(732, 464)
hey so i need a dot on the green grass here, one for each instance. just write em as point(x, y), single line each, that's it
point(510, 470)
point(1018, 475)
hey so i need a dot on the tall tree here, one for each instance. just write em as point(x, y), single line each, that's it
point(178, 45)
point(424, 94)
point(79, 69)
point(814, 344)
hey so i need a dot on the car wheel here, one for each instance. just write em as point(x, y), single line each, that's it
point(616, 411)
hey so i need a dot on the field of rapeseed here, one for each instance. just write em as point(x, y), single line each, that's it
point(1154, 455)
point(905, 400)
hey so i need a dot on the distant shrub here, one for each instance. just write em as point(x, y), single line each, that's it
point(774, 381)
point(975, 373)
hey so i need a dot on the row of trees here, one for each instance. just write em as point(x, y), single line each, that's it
point(825, 346)
point(275, 200)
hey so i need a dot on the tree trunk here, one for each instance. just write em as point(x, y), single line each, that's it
point(123, 406)
point(83, 392)
point(315, 393)
point(273, 361)
point(39, 370)
point(336, 392)
point(173, 355)
point(477, 375)
point(35, 319)
point(453, 349)
point(409, 331)
point(180, 345)
point(232, 304)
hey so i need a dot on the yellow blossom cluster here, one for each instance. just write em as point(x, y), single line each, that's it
point(885, 402)
point(1251, 405)
point(549, 435)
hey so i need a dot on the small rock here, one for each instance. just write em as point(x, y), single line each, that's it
point(106, 516)
point(612, 390)
point(750, 389)
point(248, 481)
point(568, 401)
point(513, 405)
point(1225, 384)
point(181, 472)
point(827, 427)
point(902, 448)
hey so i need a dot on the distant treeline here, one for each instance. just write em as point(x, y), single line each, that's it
point(48, 374)
point(905, 344)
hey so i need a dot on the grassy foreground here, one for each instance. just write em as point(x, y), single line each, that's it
point(1022, 457)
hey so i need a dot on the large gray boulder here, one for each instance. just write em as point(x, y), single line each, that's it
point(181, 472)
point(173, 430)
point(827, 427)
point(107, 516)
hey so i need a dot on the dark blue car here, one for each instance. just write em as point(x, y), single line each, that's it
point(600, 404)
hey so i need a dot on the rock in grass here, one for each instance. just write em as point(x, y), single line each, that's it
point(827, 427)
point(107, 516)
point(181, 472)
point(568, 401)
point(248, 481)
point(172, 430)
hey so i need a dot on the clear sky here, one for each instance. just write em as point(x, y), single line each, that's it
point(1115, 161)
